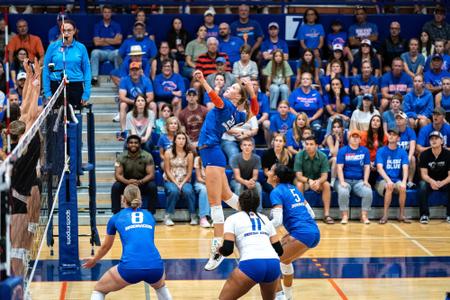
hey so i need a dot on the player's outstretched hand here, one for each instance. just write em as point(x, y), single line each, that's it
point(89, 262)
point(198, 75)
point(246, 82)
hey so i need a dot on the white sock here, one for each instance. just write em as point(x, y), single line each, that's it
point(280, 296)
point(163, 293)
point(96, 295)
point(233, 202)
point(287, 291)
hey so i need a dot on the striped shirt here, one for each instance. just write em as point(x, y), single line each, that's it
point(207, 64)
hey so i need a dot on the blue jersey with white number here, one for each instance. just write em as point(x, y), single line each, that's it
point(137, 232)
point(295, 213)
point(218, 121)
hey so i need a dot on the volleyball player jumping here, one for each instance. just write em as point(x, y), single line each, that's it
point(225, 115)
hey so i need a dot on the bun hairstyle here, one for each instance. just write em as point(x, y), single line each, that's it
point(284, 173)
point(132, 196)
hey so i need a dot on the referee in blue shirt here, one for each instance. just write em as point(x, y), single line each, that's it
point(76, 65)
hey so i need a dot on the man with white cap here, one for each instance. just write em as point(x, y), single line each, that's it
point(212, 30)
point(273, 42)
point(435, 172)
point(136, 54)
point(148, 46)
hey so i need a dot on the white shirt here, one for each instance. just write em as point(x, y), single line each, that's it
point(252, 235)
point(252, 123)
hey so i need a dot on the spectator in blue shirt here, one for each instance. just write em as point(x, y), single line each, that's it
point(338, 37)
point(395, 81)
point(389, 115)
point(443, 98)
point(438, 124)
point(311, 34)
point(407, 142)
point(169, 87)
point(229, 44)
point(414, 61)
point(148, 46)
point(362, 29)
point(130, 87)
point(353, 169)
point(418, 104)
point(283, 120)
point(55, 32)
point(212, 30)
point(363, 84)
point(439, 48)
point(107, 37)
point(392, 166)
point(76, 65)
point(249, 30)
point(135, 55)
point(273, 42)
point(433, 77)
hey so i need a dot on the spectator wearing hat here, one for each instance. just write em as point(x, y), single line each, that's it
point(107, 38)
point(212, 30)
point(338, 36)
point(148, 46)
point(55, 32)
point(389, 115)
point(169, 87)
point(134, 166)
point(353, 169)
point(229, 44)
point(361, 30)
point(394, 81)
point(393, 46)
point(206, 62)
point(192, 116)
point(418, 104)
point(136, 55)
point(407, 142)
point(337, 53)
point(438, 124)
point(221, 68)
point(361, 116)
point(23, 39)
point(272, 43)
point(439, 49)
point(163, 54)
point(434, 76)
point(438, 28)
point(366, 52)
point(434, 164)
point(248, 30)
point(364, 83)
point(130, 87)
point(392, 166)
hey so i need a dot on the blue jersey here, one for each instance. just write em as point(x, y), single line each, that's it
point(212, 32)
point(406, 137)
point(311, 34)
point(362, 31)
point(392, 161)
point(218, 121)
point(281, 125)
point(423, 139)
point(295, 213)
point(445, 101)
point(353, 161)
point(435, 79)
point(263, 102)
point(164, 142)
point(339, 38)
point(143, 86)
point(110, 31)
point(164, 86)
point(251, 28)
point(270, 46)
point(445, 63)
point(137, 233)
point(414, 105)
point(231, 48)
point(308, 103)
point(396, 84)
point(363, 84)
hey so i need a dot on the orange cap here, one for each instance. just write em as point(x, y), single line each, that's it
point(135, 65)
point(354, 131)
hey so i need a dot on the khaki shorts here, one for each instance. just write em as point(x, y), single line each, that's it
point(381, 185)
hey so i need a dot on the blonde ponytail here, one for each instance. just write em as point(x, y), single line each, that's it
point(132, 196)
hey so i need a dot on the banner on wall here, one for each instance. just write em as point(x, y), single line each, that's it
point(293, 24)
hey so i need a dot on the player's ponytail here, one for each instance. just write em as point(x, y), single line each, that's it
point(284, 173)
point(132, 196)
point(249, 202)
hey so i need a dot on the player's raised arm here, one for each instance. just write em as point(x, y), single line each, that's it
point(254, 105)
point(211, 93)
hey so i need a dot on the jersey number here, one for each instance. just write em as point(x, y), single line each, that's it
point(296, 196)
point(137, 217)
point(256, 224)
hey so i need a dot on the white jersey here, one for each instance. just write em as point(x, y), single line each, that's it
point(252, 235)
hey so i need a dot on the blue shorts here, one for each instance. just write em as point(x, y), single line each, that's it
point(213, 156)
point(133, 276)
point(310, 238)
point(261, 270)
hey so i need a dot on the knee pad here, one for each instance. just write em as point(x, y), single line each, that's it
point(217, 214)
point(96, 295)
point(20, 253)
point(287, 269)
point(163, 293)
point(32, 227)
point(233, 202)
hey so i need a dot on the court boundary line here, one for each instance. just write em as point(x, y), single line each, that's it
point(337, 288)
point(63, 291)
point(328, 238)
point(415, 242)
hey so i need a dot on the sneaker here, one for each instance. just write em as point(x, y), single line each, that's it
point(280, 296)
point(168, 221)
point(448, 219)
point(94, 81)
point(194, 220)
point(425, 219)
point(215, 258)
point(204, 223)
point(116, 118)
point(287, 292)
point(411, 185)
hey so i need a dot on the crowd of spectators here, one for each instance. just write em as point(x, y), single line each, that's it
point(359, 108)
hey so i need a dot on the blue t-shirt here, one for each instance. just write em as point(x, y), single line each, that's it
point(445, 63)
point(164, 142)
point(308, 103)
point(148, 46)
point(435, 79)
point(423, 139)
point(218, 121)
point(413, 66)
point(278, 124)
point(295, 213)
point(445, 102)
point(362, 84)
point(54, 33)
point(165, 86)
point(414, 105)
point(392, 161)
point(231, 48)
point(137, 232)
point(268, 45)
point(311, 34)
point(396, 84)
point(362, 31)
point(110, 31)
point(389, 119)
point(252, 28)
point(328, 100)
point(290, 140)
point(143, 86)
point(337, 38)
point(263, 101)
point(353, 161)
point(212, 32)
point(406, 137)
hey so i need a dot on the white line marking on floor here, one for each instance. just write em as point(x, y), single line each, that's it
point(413, 240)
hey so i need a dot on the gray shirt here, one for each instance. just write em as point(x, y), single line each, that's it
point(229, 80)
point(246, 167)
